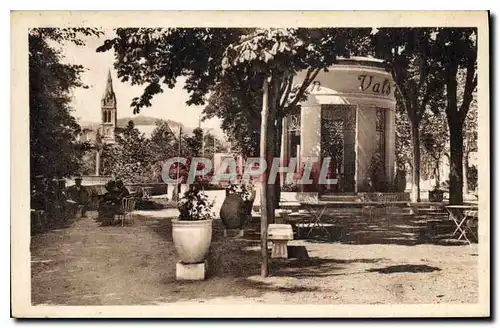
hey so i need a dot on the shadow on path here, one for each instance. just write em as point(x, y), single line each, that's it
point(350, 227)
point(412, 268)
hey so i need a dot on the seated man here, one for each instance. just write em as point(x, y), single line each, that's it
point(79, 194)
point(111, 202)
point(121, 189)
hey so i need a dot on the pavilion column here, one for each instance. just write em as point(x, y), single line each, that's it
point(390, 146)
point(97, 162)
point(284, 143)
point(310, 133)
point(310, 139)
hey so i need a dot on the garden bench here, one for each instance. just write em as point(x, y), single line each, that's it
point(279, 235)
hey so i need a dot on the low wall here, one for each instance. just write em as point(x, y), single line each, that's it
point(151, 188)
point(373, 196)
point(90, 180)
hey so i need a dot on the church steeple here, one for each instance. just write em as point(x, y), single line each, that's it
point(108, 111)
point(109, 98)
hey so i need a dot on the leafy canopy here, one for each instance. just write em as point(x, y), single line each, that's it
point(54, 147)
point(158, 56)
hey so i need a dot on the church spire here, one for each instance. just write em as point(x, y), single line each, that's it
point(109, 98)
point(108, 111)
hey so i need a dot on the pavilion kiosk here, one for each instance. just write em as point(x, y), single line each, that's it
point(349, 116)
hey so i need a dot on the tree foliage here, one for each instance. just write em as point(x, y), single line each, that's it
point(163, 143)
point(470, 145)
point(195, 142)
point(456, 54)
point(408, 53)
point(213, 145)
point(130, 158)
point(470, 129)
point(217, 59)
point(281, 53)
point(435, 143)
point(237, 102)
point(159, 56)
point(54, 147)
point(434, 68)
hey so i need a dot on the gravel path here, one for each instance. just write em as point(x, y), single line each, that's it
point(89, 264)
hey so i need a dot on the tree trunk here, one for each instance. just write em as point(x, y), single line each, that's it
point(465, 169)
point(277, 154)
point(271, 144)
point(456, 163)
point(438, 174)
point(271, 190)
point(415, 139)
point(263, 190)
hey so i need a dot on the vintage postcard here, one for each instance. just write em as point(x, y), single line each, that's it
point(250, 164)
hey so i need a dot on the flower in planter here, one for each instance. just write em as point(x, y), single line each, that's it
point(244, 190)
point(195, 205)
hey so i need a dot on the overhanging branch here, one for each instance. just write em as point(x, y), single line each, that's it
point(286, 94)
point(470, 85)
point(305, 84)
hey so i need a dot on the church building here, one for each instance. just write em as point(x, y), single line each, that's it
point(107, 129)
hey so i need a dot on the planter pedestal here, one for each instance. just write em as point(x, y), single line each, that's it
point(279, 235)
point(194, 271)
point(279, 249)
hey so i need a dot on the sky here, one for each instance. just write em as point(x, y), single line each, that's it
point(171, 104)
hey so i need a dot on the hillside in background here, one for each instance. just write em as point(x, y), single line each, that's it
point(140, 121)
point(146, 125)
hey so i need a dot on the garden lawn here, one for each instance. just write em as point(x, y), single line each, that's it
point(89, 264)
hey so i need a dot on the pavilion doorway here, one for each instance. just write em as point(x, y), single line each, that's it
point(338, 124)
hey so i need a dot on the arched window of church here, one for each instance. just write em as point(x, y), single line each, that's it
point(109, 116)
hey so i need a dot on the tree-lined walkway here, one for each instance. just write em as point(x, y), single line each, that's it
point(87, 264)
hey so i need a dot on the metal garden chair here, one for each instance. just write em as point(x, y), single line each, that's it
point(126, 211)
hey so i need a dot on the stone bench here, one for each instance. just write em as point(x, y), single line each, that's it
point(279, 235)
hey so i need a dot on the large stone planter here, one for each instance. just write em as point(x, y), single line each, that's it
point(192, 239)
point(235, 212)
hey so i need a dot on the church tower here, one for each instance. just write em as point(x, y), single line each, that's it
point(108, 113)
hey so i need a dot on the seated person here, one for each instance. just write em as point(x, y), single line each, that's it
point(79, 194)
point(121, 189)
point(111, 202)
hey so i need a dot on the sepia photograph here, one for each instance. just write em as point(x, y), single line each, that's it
point(226, 164)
